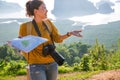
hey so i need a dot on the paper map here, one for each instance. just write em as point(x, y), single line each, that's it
point(27, 43)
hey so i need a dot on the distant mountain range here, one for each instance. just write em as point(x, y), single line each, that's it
point(70, 8)
point(107, 34)
point(7, 7)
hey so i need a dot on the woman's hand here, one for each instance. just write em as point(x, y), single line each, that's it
point(76, 33)
point(9, 43)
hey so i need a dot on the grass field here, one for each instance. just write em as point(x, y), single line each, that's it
point(65, 76)
point(96, 75)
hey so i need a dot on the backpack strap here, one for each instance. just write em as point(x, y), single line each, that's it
point(47, 26)
point(29, 31)
point(46, 23)
point(29, 28)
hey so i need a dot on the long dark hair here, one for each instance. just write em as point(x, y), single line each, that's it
point(31, 5)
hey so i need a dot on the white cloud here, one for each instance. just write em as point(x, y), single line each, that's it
point(20, 2)
point(21, 14)
point(94, 1)
point(98, 18)
point(94, 19)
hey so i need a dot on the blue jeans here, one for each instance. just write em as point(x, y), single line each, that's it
point(44, 71)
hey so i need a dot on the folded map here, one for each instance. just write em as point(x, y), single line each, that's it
point(27, 43)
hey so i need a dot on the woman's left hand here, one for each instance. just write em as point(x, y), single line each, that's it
point(76, 33)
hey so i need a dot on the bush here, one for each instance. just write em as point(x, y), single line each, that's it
point(76, 67)
point(14, 68)
point(63, 69)
point(85, 62)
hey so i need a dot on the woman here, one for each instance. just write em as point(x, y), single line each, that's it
point(42, 67)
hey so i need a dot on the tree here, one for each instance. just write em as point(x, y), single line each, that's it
point(7, 53)
point(98, 57)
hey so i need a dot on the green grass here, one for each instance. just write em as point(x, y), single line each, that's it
point(77, 75)
point(65, 76)
point(8, 78)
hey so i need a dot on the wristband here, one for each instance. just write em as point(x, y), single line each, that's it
point(68, 34)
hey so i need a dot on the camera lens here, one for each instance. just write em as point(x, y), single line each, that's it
point(57, 57)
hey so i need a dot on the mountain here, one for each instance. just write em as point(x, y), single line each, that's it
point(71, 8)
point(7, 7)
point(9, 28)
point(107, 34)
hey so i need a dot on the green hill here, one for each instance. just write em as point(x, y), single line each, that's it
point(107, 34)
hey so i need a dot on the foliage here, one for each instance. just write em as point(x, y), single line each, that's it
point(114, 58)
point(10, 62)
point(15, 67)
point(8, 78)
point(98, 57)
point(64, 69)
point(76, 67)
point(7, 53)
point(73, 52)
point(84, 64)
point(79, 57)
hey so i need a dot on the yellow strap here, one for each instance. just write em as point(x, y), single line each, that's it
point(48, 25)
point(29, 28)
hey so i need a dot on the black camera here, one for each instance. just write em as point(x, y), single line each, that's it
point(50, 50)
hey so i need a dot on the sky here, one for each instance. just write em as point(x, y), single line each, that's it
point(22, 2)
point(98, 18)
point(94, 19)
point(49, 5)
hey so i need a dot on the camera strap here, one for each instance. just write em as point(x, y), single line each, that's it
point(36, 27)
point(38, 31)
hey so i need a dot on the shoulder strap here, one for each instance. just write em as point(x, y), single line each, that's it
point(46, 24)
point(36, 27)
point(29, 28)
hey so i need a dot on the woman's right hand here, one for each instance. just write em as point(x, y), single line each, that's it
point(76, 33)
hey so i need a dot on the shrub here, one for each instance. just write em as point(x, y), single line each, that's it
point(63, 69)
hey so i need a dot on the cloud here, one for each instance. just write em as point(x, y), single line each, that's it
point(66, 9)
point(19, 14)
point(16, 8)
point(105, 6)
point(70, 8)
point(118, 1)
point(99, 18)
point(7, 7)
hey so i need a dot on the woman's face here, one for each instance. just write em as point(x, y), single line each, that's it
point(41, 11)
